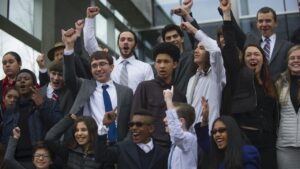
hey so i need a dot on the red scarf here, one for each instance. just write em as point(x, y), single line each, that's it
point(5, 86)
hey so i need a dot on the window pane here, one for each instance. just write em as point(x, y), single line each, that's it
point(250, 7)
point(117, 32)
point(101, 28)
point(28, 55)
point(21, 13)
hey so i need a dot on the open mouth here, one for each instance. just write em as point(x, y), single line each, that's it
point(126, 49)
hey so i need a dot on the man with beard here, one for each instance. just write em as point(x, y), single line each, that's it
point(128, 71)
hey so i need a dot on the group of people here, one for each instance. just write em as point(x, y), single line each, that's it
point(230, 103)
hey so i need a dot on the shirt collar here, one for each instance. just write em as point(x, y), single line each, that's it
point(109, 83)
point(146, 147)
point(272, 37)
point(162, 83)
point(130, 59)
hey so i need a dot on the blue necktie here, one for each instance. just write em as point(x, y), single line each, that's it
point(112, 129)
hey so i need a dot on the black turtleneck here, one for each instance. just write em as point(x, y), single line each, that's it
point(295, 80)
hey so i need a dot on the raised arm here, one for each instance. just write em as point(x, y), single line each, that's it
point(9, 158)
point(43, 73)
point(186, 14)
point(225, 11)
point(90, 42)
point(81, 63)
point(70, 77)
point(179, 136)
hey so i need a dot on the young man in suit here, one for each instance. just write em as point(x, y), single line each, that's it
point(128, 70)
point(138, 153)
point(56, 88)
point(275, 48)
point(99, 95)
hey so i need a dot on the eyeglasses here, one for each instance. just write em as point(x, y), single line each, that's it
point(137, 124)
point(40, 155)
point(220, 130)
point(101, 64)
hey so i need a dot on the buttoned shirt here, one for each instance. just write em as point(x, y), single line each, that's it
point(95, 107)
point(211, 85)
point(138, 71)
point(184, 155)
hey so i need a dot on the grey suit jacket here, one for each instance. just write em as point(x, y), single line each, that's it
point(85, 88)
point(278, 62)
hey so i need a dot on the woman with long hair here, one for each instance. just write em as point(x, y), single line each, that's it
point(229, 149)
point(80, 152)
point(252, 93)
point(42, 157)
point(288, 89)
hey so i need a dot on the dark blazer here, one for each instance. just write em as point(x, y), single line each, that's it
point(66, 98)
point(125, 155)
point(85, 88)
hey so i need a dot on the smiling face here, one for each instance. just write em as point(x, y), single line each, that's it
point(294, 62)
point(141, 128)
point(174, 37)
point(41, 159)
point(220, 135)
point(266, 23)
point(126, 44)
point(253, 59)
point(24, 82)
point(10, 98)
point(101, 70)
point(56, 79)
point(164, 66)
point(10, 65)
point(82, 135)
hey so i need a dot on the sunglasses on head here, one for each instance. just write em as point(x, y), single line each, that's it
point(137, 124)
point(220, 130)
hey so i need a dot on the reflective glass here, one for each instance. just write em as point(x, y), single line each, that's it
point(101, 28)
point(21, 13)
point(28, 55)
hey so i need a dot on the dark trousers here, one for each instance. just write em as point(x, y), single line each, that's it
point(265, 143)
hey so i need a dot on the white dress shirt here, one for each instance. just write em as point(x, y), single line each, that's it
point(95, 107)
point(184, 154)
point(138, 71)
point(146, 147)
point(272, 44)
point(49, 91)
point(209, 86)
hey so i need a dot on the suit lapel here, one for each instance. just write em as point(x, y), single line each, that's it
point(276, 49)
point(88, 88)
point(119, 98)
point(131, 150)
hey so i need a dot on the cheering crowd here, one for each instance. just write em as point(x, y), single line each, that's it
point(225, 103)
